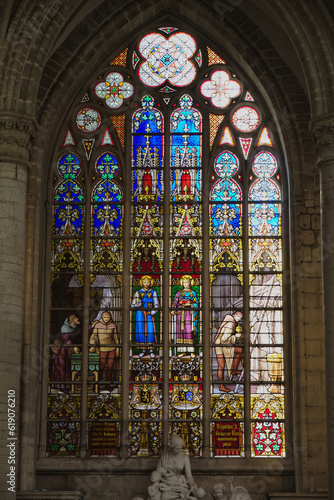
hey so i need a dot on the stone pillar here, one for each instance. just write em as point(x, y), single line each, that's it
point(15, 135)
point(323, 130)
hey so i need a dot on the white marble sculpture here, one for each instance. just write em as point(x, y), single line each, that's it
point(220, 492)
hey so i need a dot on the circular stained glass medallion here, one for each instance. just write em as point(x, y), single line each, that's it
point(88, 120)
point(246, 119)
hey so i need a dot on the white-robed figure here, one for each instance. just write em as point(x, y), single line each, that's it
point(147, 304)
point(172, 480)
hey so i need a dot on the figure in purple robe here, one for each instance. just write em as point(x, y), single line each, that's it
point(62, 352)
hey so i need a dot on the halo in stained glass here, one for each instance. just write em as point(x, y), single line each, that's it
point(114, 90)
point(106, 166)
point(264, 164)
point(226, 164)
point(69, 166)
point(246, 119)
point(88, 120)
point(167, 59)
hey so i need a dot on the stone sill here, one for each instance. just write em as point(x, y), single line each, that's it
point(297, 496)
point(50, 495)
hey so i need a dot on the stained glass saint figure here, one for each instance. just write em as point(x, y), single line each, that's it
point(147, 304)
point(185, 315)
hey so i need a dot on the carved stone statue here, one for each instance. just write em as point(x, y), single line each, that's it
point(172, 480)
point(219, 492)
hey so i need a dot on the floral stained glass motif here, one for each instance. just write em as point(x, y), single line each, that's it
point(114, 90)
point(221, 89)
point(246, 119)
point(88, 120)
point(167, 59)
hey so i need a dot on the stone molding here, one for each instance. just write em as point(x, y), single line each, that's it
point(322, 129)
point(16, 134)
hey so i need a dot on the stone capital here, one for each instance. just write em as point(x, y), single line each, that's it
point(16, 134)
point(322, 128)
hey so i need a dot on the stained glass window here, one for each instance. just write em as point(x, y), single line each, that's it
point(166, 306)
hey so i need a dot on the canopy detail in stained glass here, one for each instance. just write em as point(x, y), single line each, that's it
point(215, 121)
point(246, 119)
point(88, 145)
point(114, 90)
point(167, 59)
point(120, 60)
point(214, 58)
point(221, 89)
point(88, 120)
point(245, 143)
point(264, 139)
point(119, 122)
point(68, 141)
point(106, 139)
point(226, 137)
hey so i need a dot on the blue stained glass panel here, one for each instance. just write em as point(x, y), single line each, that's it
point(107, 220)
point(226, 190)
point(264, 190)
point(69, 166)
point(265, 219)
point(147, 119)
point(68, 220)
point(147, 151)
point(68, 191)
point(226, 219)
point(107, 166)
point(107, 191)
point(186, 151)
point(226, 164)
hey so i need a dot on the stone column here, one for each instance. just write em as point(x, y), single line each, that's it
point(15, 135)
point(323, 130)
